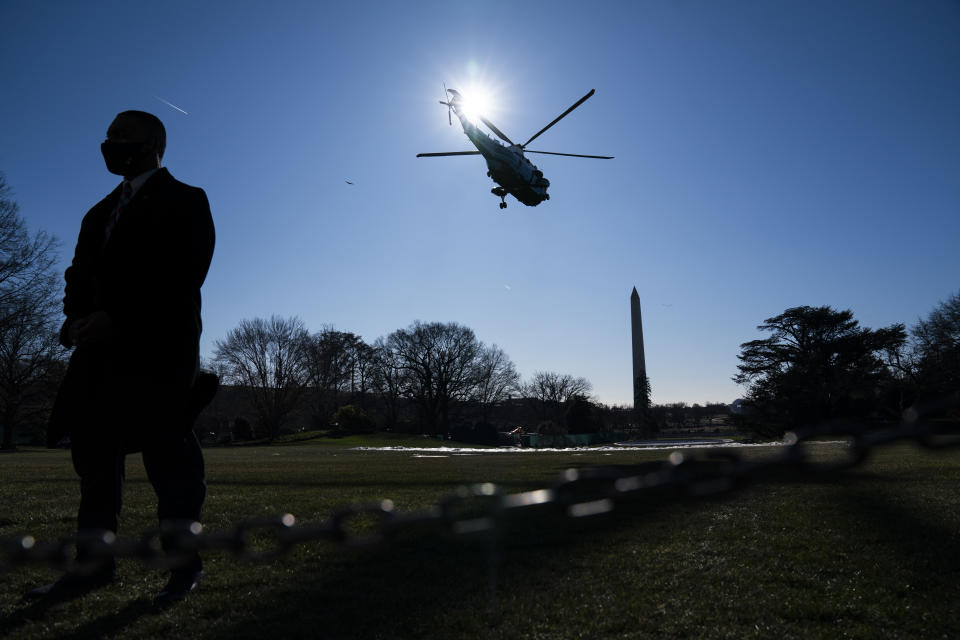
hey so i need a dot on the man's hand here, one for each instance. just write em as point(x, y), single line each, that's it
point(91, 329)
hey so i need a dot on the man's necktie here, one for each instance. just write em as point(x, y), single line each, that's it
point(125, 194)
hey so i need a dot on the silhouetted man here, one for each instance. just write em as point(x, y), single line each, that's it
point(132, 309)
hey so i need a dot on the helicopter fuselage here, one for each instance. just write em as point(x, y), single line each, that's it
point(507, 166)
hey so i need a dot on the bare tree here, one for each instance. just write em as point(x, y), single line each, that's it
point(362, 364)
point(935, 359)
point(268, 359)
point(936, 345)
point(29, 311)
point(389, 381)
point(327, 361)
point(547, 392)
point(339, 364)
point(439, 363)
point(496, 379)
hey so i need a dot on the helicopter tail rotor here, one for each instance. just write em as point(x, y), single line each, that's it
point(448, 104)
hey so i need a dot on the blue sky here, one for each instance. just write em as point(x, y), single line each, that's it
point(768, 155)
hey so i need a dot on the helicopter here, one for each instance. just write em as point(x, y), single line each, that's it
point(507, 166)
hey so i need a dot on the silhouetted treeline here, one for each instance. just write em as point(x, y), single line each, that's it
point(230, 418)
point(31, 360)
point(820, 366)
point(430, 378)
point(434, 378)
point(817, 365)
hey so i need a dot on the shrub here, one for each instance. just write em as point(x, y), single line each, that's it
point(353, 419)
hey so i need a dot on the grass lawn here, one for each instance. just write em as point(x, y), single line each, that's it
point(871, 553)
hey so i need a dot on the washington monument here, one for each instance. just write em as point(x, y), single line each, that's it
point(639, 362)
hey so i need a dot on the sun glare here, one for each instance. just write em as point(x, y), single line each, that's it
point(476, 102)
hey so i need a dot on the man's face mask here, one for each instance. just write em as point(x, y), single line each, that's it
point(122, 156)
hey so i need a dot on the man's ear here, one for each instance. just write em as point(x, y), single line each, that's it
point(153, 146)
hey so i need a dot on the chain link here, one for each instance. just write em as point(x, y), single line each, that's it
point(482, 509)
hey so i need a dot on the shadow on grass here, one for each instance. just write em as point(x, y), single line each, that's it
point(112, 624)
point(533, 574)
point(444, 587)
point(33, 612)
point(430, 587)
point(929, 548)
point(49, 609)
point(107, 625)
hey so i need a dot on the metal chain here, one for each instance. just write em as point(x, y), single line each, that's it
point(577, 495)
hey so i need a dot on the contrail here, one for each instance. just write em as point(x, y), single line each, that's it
point(171, 105)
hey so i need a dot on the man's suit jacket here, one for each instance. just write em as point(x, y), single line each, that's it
point(147, 278)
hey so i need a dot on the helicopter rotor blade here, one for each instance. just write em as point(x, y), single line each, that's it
point(448, 153)
point(496, 131)
point(575, 155)
point(558, 118)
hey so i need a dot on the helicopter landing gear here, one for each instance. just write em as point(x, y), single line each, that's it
point(501, 193)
